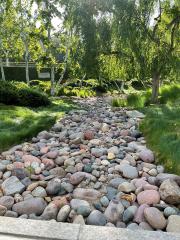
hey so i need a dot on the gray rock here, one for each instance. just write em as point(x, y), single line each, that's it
point(168, 211)
point(145, 226)
point(133, 226)
point(83, 210)
point(58, 171)
point(129, 213)
point(146, 155)
point(128, 171)
point(68, 187)
point(115, 182)
point(96, 218)
point(63, 213)
point(39, 192)
point(12, 185)
point(7, 201)
point(77, 203)
point(111, 193)
point(114, 211)
point(32, 205)
point(170, 192)
point(86, 194)
point(155, 218)
point(104, 201)
point(126, 187)
point(53, 186)
point(11, 214)
point(173, 224)
point(98, 152)
point(3, 210)
point(50, 212)
point(79, 220)
point(161, 177)
point(135, 114)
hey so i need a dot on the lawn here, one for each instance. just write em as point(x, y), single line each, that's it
point(18, 124)
point(161, 128)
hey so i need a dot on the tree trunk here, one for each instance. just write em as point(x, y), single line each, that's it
point(27, 72)
point(52, 82)
point(65, 61)
point(27, 62)
point(2, 70)
point(155, 88)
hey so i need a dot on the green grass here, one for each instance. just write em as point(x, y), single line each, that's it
point(140, 99)
point(18, 124)
point(161, 128)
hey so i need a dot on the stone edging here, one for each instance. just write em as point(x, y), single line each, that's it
point(13, 229)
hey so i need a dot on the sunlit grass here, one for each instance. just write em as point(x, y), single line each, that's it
point(19, 124)
point(161, 128)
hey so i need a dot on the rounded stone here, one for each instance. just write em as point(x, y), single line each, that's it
point(39, 192)
point(114, 211)
point(32, 205)
point(96, 218)
point(146, 155)
point(148, 197)
point(104, 201)
point(3, 210)
point(129, 213)
point(83, 210)
point(7, 201)
point(155, 218)
point(63, 213)
point(169, 211)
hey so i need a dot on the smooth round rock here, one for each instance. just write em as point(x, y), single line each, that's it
point(169, 211)
point(155, 218)
point(96, 218)
point(63, 213)
point(148, 197)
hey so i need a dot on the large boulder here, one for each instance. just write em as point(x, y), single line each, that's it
point(170, 192)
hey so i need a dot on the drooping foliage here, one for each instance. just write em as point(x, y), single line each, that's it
point(108, 40)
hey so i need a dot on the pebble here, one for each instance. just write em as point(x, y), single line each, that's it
point(92, 167)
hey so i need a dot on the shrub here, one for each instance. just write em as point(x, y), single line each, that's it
point(44, 86)
point(32, 98)
point(118, 102)
point(8, 93)
point(169, 93)
point(83, 92)
point(17, 93)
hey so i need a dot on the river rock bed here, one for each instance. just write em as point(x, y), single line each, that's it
point(92, 167)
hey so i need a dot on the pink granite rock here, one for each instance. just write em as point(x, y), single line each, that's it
point(139, 215)
point(148, 197)
point(146, 155)
point(30, 159)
